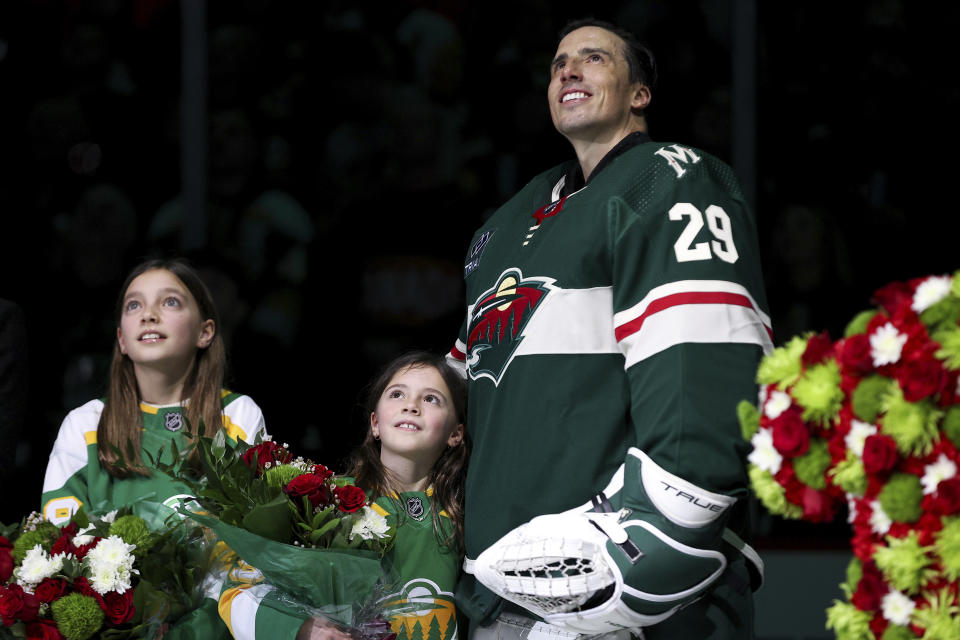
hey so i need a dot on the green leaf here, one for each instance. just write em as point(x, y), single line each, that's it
point(319, 533)
point(270, 520)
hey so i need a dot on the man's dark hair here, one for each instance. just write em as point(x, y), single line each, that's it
point(640, 61)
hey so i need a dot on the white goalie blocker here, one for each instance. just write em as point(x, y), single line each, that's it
point(630, 558)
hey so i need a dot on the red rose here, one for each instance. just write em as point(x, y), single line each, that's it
point(83, 587)
point(118, 606)
point(920, 378)
point(818, 506)
point(790, 435)
point(6, 560)
point(322, 472)
point(894, 296)
point(854, 354)
point(17, 604)
point(947, 501)
point(43, 630)
point(309, 485)
point(870, 589)
point(879, 454)
point(82, 551)
point(50, 589)
point(350, 497)
point(266, 452)
point(818, 348)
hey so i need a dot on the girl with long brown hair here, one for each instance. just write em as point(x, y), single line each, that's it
point(166, 381)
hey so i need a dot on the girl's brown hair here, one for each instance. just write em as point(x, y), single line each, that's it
point(449, 472)
point(119, 430)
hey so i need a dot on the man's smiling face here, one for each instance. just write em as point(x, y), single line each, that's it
point(590, 93)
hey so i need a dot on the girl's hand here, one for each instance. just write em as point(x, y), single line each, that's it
point(321, 629)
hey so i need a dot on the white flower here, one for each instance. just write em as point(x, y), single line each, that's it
point(930, 292)
point(897, 607)
point(36, 566)
point(886, 344)
point(879, 521)
point(110, 564)
point(762, 395)
point(777, 403)
point(110, 517)
point(851, 508)
point(370, 525)
point(764, 455)
point(859, 432)
point(933, 474)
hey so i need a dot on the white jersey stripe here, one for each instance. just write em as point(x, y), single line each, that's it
point(571, 321)
point(695, 323)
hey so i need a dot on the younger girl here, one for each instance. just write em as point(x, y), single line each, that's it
point(412, 463)
point(166, 379)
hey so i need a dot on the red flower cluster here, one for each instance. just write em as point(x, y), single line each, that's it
point(264, 453)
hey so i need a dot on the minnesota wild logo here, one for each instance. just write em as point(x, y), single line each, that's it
point(428, 612)
point(497, 321)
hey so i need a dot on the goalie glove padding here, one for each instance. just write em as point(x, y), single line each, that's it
point(658, 552)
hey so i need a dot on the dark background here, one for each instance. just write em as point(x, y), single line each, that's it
point(352, 149)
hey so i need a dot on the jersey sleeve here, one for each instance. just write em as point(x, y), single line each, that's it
point(689, 317)
point(457, 357)
point(65, 481)
point(243, 420)
point(248, 606)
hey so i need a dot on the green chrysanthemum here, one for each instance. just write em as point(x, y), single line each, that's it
point(133, 530)
point(896, 632)
point(942, 314)
point(849, 475)
point(904, 563)
point(859, 323)
point(854, 573)
point(913, 425)
point(77, 616)
point(783, 366)
point(949, 351)
point(951, 425)
point(867, 398)
point(771, 494)
point(810, 467)
point(901, 497)
point(939, 620)
point(45, 535)
point(749, 417)
point(818, 392)
point(947, 547)
point(281, 474)
point(848, 622)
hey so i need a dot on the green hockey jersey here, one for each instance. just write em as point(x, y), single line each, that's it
point(626, 312)
point(74, 477)
point(426, 573)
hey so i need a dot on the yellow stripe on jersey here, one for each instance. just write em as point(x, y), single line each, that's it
point(380, 510)
point(90, 437)
point(233, 430)
point(146, 408)
point(225, 605)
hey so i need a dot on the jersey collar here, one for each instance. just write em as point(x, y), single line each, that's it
point(573, 180)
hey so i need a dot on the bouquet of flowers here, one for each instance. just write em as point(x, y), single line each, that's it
point(877, 423)
point(108, 575)
point(312, 534)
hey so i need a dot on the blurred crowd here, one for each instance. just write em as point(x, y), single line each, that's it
point(352, 148)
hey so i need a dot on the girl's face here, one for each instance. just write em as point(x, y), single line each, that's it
point(415, 417)
point(160, 323)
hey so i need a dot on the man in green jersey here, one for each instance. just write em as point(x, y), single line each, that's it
point(615, 317)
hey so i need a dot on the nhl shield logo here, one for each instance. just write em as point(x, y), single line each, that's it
point(415, 508)
point(497, 321)
point(173, 421)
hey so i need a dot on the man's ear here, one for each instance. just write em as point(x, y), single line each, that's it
point(641, 97)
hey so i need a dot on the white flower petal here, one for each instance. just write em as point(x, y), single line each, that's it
point(935, 473)
point(897, 607)
point(777, 403)
point(764, 455)
point(886, 344)
point(930, 292)
point(880, 522)
point(857, 436)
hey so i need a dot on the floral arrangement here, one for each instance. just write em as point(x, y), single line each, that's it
point(872, 420)
point(311, 533)
point(108, 575)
